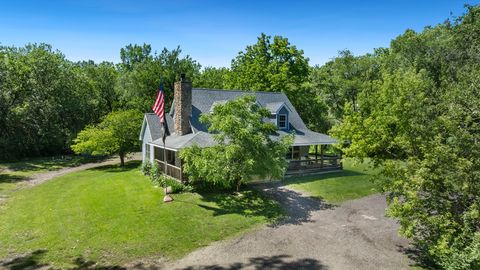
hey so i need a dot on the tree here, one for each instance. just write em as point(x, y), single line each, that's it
point(344, 79)
point(141, 72)
point(243, 150)
point(420, 123)
point(116, 134)
point(268, 65)
point(45, 100)
point(133, 54)
point(277, 66)
point(211, 77)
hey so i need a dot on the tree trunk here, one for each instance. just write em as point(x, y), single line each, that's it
point(122, 159)
point(239, 183)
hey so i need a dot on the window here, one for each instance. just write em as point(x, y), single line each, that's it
point(147, 152)
point(282, 121)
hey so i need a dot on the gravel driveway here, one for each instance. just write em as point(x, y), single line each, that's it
point(354, 235)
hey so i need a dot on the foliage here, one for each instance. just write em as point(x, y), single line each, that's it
point(344, 79)
point(45, 100)
point(176, 186)
point(275, 65)
point(420, 122)
point(146, 167)
point(141, 72)
point(112, 215)
point(268, 65)
point(243, 150)
point(211, 77)
point(116, 134)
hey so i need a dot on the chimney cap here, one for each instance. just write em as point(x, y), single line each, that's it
point(182, 77)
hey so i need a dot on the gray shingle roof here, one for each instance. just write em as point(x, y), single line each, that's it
point(273, 107)
point(202, 102)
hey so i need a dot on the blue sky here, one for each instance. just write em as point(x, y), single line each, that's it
point(213, 32)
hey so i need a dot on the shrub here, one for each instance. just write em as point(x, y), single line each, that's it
point(156, 175)
point(177, 187)
point(146, 167)
point(162, 180)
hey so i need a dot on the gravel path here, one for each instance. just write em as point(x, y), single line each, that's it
point(354, 235)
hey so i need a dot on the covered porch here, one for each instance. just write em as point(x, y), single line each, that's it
point(173, 166)
point(309, 159)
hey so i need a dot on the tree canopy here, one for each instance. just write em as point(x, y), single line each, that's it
point(418, 118)
point(244, 148)
point(116, 134)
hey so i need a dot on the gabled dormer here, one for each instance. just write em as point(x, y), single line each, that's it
point(279, 113)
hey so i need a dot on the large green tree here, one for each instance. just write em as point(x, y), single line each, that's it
point(211, 77)
point(45, 100)
point(141, 72)
point(116, 134)
point(344, 79)
point(420, 122)
point(243, 147)
point(273, 64)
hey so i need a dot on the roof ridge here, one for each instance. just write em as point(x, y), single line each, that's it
point(237, 90)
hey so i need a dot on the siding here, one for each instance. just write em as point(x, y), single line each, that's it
point(147, 138)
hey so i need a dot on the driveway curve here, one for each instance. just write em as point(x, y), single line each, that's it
point(353, 235)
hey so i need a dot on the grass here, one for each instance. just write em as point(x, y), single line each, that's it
point(12, 173)
point(112, 215)
point(29, 167)
point(354, 182)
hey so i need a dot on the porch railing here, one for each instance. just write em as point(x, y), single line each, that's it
point(172, 170)
point(321, 162)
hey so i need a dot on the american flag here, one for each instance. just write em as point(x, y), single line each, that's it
point(159, 106)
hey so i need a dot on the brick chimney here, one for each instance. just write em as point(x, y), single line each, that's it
point(183, 106)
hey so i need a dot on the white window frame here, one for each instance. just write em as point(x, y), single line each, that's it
point(286, 121)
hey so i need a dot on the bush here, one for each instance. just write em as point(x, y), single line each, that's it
point(177, 187)
point(156, 175)
point(162, 180)
point(146, 167)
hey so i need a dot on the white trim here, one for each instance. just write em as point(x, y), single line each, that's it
point(286, 121)
point(161, 146)
point(142, 131)
point(316, 143)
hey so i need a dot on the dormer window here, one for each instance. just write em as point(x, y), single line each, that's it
point(282, 121)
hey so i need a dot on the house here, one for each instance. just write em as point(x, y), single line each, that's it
point(184, 129)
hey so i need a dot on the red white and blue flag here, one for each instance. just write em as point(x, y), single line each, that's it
point(159, 106)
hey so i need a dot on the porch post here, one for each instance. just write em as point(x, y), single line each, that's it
point(321, 156)
point(316, 153)
point(165, 158)
point(292, 152)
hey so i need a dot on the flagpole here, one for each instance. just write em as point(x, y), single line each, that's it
point(164, 150)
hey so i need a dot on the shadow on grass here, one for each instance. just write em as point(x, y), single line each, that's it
point(29, 261)
point(129, 165)
point(279, 262)
point(323, 176)
point(248, 203)
point(279, 205)
point(33, 261)
point(11, 178)
point(84, 264)
point(52, 163)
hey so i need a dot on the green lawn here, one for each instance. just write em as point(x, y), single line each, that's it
point(352, 183)
point(111, 216)
point(14, 172)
